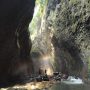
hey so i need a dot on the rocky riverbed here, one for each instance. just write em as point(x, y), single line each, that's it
point(49, 85)
point(33, 86)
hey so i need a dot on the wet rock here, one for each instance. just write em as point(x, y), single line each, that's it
point(56, 73)
point(45, 78)
point(39, 79)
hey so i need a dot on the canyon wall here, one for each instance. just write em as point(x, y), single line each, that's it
point(15, 45)
point(64, 36)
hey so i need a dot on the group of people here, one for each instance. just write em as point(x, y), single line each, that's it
point(42, 72)
point(42, 75)
point(55, 74)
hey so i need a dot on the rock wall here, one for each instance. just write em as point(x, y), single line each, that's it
point(65, 35)
point(15, 45)
point(71, 38)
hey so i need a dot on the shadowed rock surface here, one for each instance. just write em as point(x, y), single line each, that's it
point(15, 45)
point(64, 36)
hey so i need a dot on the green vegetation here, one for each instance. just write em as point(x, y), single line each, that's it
point(36, 22)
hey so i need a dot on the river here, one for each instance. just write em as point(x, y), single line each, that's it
point(62, 86)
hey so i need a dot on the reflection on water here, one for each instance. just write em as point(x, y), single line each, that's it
point(62, 86)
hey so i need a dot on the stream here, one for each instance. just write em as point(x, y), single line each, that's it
point(62, 86)
point(71, 84)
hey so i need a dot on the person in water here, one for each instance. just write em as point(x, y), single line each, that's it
point(45, 71)
point(40, 71)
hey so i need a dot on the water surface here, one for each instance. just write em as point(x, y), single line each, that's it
point(62, 86)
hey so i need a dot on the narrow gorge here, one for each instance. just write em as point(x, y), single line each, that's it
point(48, 35)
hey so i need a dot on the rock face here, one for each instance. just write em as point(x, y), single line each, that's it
point(71, 38)
point(15, 44)
point(65, 35)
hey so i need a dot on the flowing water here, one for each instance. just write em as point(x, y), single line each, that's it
point(71, 84)
point(72, 80)
point(62, 86)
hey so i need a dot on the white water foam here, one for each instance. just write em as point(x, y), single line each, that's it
point(72, 80)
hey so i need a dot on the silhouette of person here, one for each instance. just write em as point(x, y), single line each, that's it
point(45, 71)
point(40, 71)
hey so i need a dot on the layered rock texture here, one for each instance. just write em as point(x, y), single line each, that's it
point(64, 36)
point(15, 45)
